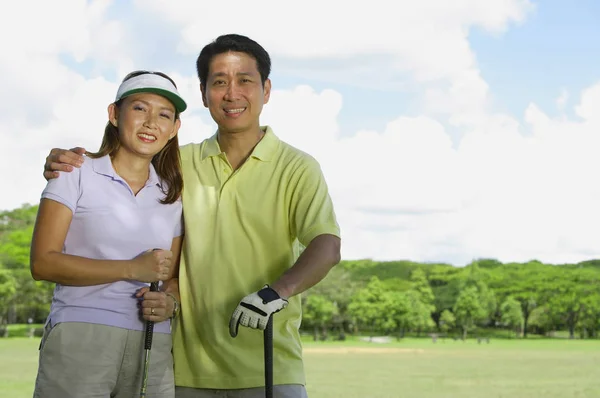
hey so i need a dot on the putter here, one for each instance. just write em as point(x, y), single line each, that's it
point(147, 347)
point(268, 347)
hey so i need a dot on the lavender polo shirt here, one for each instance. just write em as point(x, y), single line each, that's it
point(110, 223)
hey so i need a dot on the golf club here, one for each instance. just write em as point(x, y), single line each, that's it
point(147, 347)
point(268, 347)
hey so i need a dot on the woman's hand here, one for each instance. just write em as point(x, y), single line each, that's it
point(151, 266)
point(155, 306)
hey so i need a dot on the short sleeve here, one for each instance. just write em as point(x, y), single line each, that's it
point(312, 213)
point(179, 226)
point(65, 189)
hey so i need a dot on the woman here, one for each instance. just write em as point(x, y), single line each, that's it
point(103, 231)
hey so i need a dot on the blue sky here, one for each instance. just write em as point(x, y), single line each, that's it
point(557, 48)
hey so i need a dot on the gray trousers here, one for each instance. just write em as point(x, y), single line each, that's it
point(97, 361)
point(282, 391)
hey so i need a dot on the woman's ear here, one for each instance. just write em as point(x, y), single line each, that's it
point(113, 114)
point(175, 129)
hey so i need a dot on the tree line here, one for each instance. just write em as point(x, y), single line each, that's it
point(392, 298)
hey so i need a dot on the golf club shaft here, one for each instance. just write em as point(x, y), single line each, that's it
point(147, 347)
point(268, 346)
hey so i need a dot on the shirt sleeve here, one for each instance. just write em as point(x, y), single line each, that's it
point(65, 189)
point(179, 226)
point(312, 213)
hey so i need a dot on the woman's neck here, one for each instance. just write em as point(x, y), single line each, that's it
point(133, 169)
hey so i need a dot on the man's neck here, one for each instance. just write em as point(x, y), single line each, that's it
point(239, 146)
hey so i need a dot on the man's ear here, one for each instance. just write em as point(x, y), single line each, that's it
point(113, 114)
point(267, 90)
point(203, 91)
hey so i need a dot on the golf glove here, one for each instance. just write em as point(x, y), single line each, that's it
point(255, 310)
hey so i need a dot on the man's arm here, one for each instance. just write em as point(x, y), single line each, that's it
point(313, 265)
point(321, 254)
point(314, 222)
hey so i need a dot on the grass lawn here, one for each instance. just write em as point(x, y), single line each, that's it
point(422, 369)
point(413, 368)
point(18, 366)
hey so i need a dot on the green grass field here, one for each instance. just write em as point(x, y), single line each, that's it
point(413, 368)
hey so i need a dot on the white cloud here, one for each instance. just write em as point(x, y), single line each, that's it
point(428, 40)
point(316, 28)
point(561, 101)
point(510, 191)
point(505, 189)
point(588, 108)
point(36, 43)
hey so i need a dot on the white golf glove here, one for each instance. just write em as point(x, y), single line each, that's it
point(255, 310)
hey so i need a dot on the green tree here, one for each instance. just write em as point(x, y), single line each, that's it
point(568, 296)
point(512, 314)
point(421, 285)
point(420, 312)
point(14, 248)
point(398, 312)
point(468, 310)
point(476, 278)
point(589, 321)
point(368, 306)
point(540, 320)
point(16, 219)
point(526, 283)
point(7, 292)
point(447, 321)
point(445, 284)
point(330, 288)
point(318, 311)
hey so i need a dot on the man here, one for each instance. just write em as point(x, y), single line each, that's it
point(249, 202)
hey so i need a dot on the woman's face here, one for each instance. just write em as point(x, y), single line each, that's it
point(146, 122)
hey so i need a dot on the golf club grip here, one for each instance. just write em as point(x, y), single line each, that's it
point(268, 342)
point(150, 324)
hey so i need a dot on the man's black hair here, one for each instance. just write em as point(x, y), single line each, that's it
point(236, 43)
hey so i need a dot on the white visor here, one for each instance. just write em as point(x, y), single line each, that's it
point(152, 83)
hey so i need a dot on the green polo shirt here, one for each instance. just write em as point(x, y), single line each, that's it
point(243, 229)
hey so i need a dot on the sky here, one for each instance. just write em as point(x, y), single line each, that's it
point(447, 130)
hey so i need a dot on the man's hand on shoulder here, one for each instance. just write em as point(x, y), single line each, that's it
point(62, 160)
point(255, 310)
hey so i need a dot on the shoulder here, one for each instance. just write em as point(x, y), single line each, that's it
point(297, 158)
point(94, 166)
point(88, 163)
point(190, 150)
point(67, 188)
point(77, 172)
point(187, 148)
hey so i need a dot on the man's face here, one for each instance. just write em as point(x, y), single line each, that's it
point(234, 93)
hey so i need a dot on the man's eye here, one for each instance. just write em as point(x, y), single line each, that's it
point(138, 107)
point(166, 115)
